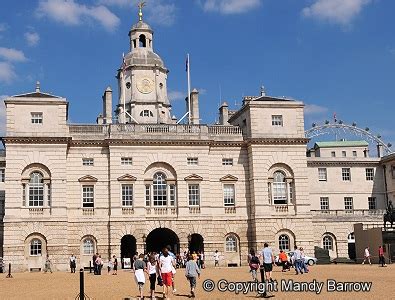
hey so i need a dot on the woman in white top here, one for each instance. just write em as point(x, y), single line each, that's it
point(152, 270)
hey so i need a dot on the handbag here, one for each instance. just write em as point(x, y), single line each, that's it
point(160, 281)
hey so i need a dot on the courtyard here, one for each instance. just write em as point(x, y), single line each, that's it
point(62, 285)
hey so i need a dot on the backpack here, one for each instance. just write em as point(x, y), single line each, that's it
point(254, 260)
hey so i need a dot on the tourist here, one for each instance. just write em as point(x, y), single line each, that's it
point(283, 260)
point(303, 264)
point(194, 256)
point(139, 268)
point(216, 258)
point(152, 270)
point(268, 261)
point(166, 266)
point(47, 265)
point(366, 256)
point(381, 256)
point(94, 257)
point(173, 269)
point(73, 263)
point(297, 257)
point(99, 265)
point(114, 265)
point(254, 263)
point(202, 260)
point(191, 272)
point(109, 266)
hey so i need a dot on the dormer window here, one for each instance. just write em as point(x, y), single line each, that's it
point(37, 117)
point(142, 41)
point(146, 113)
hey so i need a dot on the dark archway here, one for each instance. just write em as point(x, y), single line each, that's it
point(352, 254)
point(162, 237)
point(128, 247)
point(196, 243)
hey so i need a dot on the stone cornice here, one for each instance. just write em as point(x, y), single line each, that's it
point(311, 163)
point(277, 141)
point(36, 140)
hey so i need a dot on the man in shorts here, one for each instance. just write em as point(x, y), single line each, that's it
point(166, 266)
point(268, 261)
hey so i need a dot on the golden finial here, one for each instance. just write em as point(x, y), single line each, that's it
point(141, 5)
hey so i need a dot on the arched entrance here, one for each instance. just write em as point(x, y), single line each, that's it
point(162, 237)
point(352, 254)
point(196, 243)
point(128, 247)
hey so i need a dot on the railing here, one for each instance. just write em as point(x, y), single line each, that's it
point(347, 212)
point(230, 210)
point(161, 210)
point(224, 130)
point(36, 211)
point(88, 129)
point(281, 208)
point(194, 210)
point(127, 210)
point(88, 211)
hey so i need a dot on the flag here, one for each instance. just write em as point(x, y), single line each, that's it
point(334, 117)
point(123, 67)
point(187, 64)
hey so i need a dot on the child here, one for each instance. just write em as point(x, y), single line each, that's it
point(191, 272)
point(139, 268)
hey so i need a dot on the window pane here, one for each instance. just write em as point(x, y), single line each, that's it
point(324, 202)
point(127, 195)
point(322, 174)
point(88, 196)
point(229, 195)
point(89, 247)
point(369, 174)
point(346, 174)
point(279, 189)
point(36, 190)
point(231, 244)
point(194, 195)
point(277, 120)
point(159, 190)
point(283, 242)
point(327, 243)
point(372, 203)
point(35, 247)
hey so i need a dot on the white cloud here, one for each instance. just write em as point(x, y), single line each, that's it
point(176, 95)
point(32, 38)
point(336, 11)
point(70, 12)
point(11, 54)
point(230, 6)
point(7, 72)
point(313, 109)
point(2, 115)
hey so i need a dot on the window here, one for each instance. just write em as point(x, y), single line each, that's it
point(160, 190)
point(88, 196)
point(36, 190)
point(327, 243)
point(344, 153)
point(354, 154)
point(322, 174)
point(324, 203)
point(89, 247)
point(229, 195)
point(277, 120)
point(127, 195)
point(126, 161)
point(283, 242)
point(172, 194)
point(35, 247)
point(192, 161)
point(142, 41)
point(148, 195)
point(372, 203)
point(346, 174)
point(393, 172)
point(227, 161)
point(348, 203)
point(37, 117)
point(369, 174)
point(2, 175)
point(231, 243)
point(193, 195)
point(333, 154)
point(87, 161)
point(146, 113)
point(49, 194)
point(279, 188)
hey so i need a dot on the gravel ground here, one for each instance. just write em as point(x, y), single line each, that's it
point(66, 286)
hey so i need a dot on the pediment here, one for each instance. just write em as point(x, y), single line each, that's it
point(127, 177)
point(87, 178)
point(229, 178)
point(193, 177)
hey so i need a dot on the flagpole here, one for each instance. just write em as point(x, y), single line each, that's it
point(123, 88)
point(189, 90)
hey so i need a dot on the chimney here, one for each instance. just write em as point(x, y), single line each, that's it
point(107, 106)
point(195, 107)
point(99, 120)
point(224, 114)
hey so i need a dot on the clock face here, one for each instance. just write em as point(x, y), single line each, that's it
point(145, 85)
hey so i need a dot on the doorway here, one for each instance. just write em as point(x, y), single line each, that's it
point(162, 237)
point(128, 248)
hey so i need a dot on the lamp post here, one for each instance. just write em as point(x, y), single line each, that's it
point(144, 239)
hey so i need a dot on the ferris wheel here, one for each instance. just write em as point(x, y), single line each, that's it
point(340, 129)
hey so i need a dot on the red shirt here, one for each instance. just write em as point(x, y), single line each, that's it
point(381, 251)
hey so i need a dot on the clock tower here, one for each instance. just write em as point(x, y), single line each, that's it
point(142, 81)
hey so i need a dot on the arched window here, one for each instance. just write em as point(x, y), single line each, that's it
point(279, 188)
point(35, 247)
point(327, 242)
point(36, 189)
point(142, 41)
point(283, 242)
point(89, 246)
point(159, 189)
point(231, 243)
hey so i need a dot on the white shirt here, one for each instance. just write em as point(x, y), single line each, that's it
point(267, 254)
point(367, 252)
point(151, 268)
point(216, 256)
point(166, 264)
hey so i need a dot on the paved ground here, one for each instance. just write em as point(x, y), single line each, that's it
point(65, 285)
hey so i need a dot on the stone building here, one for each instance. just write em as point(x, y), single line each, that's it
point(138, 181)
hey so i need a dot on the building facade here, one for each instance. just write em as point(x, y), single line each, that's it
point(143, 181)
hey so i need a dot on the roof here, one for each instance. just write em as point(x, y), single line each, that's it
point(36, 95)
point(141, 26)
point(333, 144)
point(143, 57)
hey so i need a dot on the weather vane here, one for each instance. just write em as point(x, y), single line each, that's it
point(140, 6)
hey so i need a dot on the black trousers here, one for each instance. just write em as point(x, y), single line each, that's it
point(382, 260)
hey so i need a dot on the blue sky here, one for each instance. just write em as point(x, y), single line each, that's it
point(335, 55)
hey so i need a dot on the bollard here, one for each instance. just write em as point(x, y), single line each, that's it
point(90, 267)
point(82, 292)
point(9, 271)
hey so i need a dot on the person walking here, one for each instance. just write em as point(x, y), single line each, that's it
point(73, 263)
point(303, 265)
point(109, 266)
point(191, 272)
point(99, 265)
point(268, 261)
point(297, 257)
point(216, 258)
point(254, 263)
point(114, 265)
point(94, 257)
point(366, 256)
point(283, 259)
point(139, 268)
point(48, 265)
point(152, 270)
point(166, 266)
point(381, 256)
